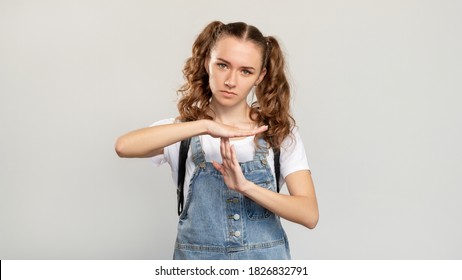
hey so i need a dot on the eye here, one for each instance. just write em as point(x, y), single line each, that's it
point(222, 65)
point(246, 72)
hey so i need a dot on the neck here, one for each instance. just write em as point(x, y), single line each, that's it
point(230, 115)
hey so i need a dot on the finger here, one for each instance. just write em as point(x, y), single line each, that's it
point(261, 129)
point(227, 153)
point(231, 162)
point(234, 156)
point(252, 131)
point(218, 166)
point(224, 153)
point(222, 148)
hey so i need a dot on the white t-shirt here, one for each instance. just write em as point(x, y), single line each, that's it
point(292, 154)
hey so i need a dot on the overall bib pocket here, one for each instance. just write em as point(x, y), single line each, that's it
point(253, 209)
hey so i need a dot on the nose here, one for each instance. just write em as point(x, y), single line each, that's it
point(230, 81)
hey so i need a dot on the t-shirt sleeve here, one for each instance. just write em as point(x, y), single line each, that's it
point(167, 155)
point(293, 155)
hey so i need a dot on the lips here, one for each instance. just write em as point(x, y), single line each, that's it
point(228, 93)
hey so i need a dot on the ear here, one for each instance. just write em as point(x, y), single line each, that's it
point(262, 75)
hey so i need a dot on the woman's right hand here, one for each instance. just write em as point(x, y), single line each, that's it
point(150, 141)
point(216, 129)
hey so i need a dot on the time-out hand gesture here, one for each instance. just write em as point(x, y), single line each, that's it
point(230, 168)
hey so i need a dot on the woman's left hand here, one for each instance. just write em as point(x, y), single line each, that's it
point(230, 168)
point(300, 206)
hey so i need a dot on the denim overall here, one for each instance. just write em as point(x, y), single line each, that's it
point(221, 224)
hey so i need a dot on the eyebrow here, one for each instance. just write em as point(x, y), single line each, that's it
point(227, 62)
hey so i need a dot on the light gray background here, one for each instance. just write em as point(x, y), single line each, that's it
point(376, 87)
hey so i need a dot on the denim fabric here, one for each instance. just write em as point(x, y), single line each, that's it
point(221, 224)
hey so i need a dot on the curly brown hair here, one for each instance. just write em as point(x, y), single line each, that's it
point(272, 107)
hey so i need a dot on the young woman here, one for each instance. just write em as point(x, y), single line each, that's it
point(232, 208)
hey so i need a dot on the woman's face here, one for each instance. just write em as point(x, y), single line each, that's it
point(234, 67)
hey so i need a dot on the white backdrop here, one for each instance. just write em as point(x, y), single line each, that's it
point(376, 96)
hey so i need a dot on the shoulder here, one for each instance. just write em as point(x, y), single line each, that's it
point(292, 140)
point(292, 154)
point(171, 152)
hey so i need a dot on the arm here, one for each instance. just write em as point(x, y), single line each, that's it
point(300, 206)
point(150, 141)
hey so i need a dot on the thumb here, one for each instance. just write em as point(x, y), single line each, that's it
point(217, 166)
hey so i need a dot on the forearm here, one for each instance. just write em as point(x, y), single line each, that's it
point(299, 209)
point(300, 206)
point(150, 141)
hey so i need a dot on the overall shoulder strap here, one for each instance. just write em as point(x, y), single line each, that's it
point(184, 147)
point(277, 167)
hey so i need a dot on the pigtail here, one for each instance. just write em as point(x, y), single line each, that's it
point(195, 92)
point(273, 95)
